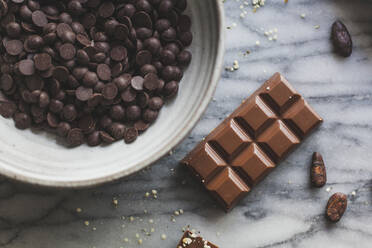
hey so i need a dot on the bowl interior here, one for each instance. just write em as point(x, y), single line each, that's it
point(39, 158)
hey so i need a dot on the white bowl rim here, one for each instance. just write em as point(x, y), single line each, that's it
point(172, 143)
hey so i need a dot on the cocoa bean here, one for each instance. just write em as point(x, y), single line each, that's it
point(336, 206)
point(341, 38)
point(318, 173)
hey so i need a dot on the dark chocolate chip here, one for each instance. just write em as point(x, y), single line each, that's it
point(107, 138)
point(151, 82)
point(117, 130)
point(123, 81)
point(14, 47)
point(128, 95)
point(142, 19)
point(156, 103)
point(142, 99)
point(104, 72)
point(94, 139)
point(54, 87)
point(61, 73)
point(165, 7)
point(184, 23)
point(63, 129)
point(78, 28)
point(105, 121)
point(133, 113)
point(83, 40)
point(95, 100)
point(34, 96)
point(65, 18)
point(102, 47)
point(52, 120)
point(43, 61)
point(62, 28)
point(90, 79)
point(106, 9)
point(141, 126)
point(99, 87)
point(168, 73)
point(146, 69)
point(99, 57)
point(75, 137)
point(50, 28)
point(144, 5)
point(110, 91)
point(6, 82)
point(67, 51)
point(117, 69)
point(167, 57)
point(169, 34)
point(149, 115)
point(79, 72)
point(137, 83)
point(128, 10)
point(143, 57)
point(89, 20)
point(158, 65)
point(55, 106)
point(7, 109)
point(69, 112)
point(152, 44)
point(82, 57)
point(170, 89)
point(121, 32)
point(44, 99)
point(72, 82)
point(186, 38)
point(143, 33)
point(39, 18)
point(130, 135)
point(162, 24)
point(110, 26)
point(118, 53)
point(173, 17)
point(26, 67)
point(87, 124)
point(22, 120)
point(117, 112)
point(184, 58)
point(83, 94)
point(173, 47)
point(33, 43)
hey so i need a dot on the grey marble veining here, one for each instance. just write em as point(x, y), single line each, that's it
point(283, 211)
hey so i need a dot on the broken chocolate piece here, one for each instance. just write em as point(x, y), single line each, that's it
point(192, 240)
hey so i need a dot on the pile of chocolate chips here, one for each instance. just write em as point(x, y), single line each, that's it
point(92, 71)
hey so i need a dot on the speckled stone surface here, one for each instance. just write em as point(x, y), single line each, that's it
point(284, 210)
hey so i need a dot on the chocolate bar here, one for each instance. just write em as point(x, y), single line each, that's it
point(249, 143)
point(192, 240)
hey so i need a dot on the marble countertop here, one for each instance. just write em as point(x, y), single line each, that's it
point(283, 211)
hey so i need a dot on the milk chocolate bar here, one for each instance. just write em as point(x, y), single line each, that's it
point(251, 142)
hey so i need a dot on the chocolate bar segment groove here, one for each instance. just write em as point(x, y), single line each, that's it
point(249, 143)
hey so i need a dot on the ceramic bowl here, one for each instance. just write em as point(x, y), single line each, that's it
point(38, 158)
